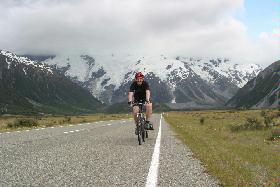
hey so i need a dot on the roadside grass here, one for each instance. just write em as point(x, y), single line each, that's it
point(242, 156)
point(17, 122)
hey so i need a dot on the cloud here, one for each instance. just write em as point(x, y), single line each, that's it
point(171, 27)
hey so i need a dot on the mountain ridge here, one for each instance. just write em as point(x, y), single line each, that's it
point(107, 77)
point(29, 87)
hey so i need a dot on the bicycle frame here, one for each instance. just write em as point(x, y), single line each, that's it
point(141, 124)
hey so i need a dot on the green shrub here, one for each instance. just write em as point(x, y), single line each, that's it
point(67, 119)
point(268, 121)
point(23, 123)
point(263, 113)
point(251, 123)
point(202, 120)
point(274, 133)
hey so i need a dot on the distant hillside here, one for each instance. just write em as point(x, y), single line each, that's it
point(28, 87)
point(261, 91)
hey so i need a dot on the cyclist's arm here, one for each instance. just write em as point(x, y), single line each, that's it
point(130, 96)
point(148, 95)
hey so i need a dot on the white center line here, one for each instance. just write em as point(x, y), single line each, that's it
point(153, 171)
point(77, 130)
point(71, 131)
point(109, 124)
point(65, 132)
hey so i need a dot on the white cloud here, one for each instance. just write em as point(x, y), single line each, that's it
point(176, 27)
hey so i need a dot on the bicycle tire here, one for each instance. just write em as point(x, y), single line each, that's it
point(143, 129)
point(139, 134)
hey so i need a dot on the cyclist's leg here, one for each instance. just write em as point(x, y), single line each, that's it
point(135, 110)
point(149, 108)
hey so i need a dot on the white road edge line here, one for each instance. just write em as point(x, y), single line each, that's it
point(153, 171)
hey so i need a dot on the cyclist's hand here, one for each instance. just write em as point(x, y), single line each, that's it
point(148, 101)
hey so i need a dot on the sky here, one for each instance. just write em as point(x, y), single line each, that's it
point(246, 31)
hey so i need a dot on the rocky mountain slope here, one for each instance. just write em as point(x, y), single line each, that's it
point(178, 81)
point(261, 91)
point(31, 87)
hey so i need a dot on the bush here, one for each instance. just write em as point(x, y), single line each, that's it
point(274, 133)
point(268, 120)
point(251, 123)
point(67, 119)
point(23, 123)
point(263, 113)
point(202, 120)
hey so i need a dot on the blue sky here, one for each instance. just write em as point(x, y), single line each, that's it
point(260, 16)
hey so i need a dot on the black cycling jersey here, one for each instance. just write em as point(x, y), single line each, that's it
point(139, 90)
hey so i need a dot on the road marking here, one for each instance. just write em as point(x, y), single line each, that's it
point(109, 124)
point(123, 121)
point(77, 130)
point(80, 124)
point(42, 128)
point(37, 129)
point(71, 131)
point(27, 130)
point(153, 171)
point(18, 131)
point(65, 132)
point(70, 125)
point(52, 127)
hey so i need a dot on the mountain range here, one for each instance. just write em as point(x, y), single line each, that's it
point(29, 87)
point(69, 84)
point(180, 82)
point(261, 91)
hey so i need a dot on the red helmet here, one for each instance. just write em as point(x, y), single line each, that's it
point(139, 75)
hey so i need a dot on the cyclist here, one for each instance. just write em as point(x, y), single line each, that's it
point(139, 92)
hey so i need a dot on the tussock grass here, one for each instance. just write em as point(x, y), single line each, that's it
point(25, 122)
point(11, 123)
point(246, 157)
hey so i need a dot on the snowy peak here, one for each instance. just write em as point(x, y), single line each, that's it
point(211, 69)
point(11, 57)
point(108, 76)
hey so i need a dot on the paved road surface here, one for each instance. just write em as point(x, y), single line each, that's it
point(98, 154)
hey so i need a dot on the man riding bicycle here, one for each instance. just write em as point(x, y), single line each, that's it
point(140, 92)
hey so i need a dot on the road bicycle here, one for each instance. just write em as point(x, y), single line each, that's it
point(141, 126)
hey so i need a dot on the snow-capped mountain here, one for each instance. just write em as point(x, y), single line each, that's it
point(260, 92)
point(179, 81)
point(30, 87)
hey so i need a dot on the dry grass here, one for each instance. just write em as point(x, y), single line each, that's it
point(237, 158)
point(49, 121)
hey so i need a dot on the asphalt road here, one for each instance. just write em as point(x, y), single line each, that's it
point(98, 154)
